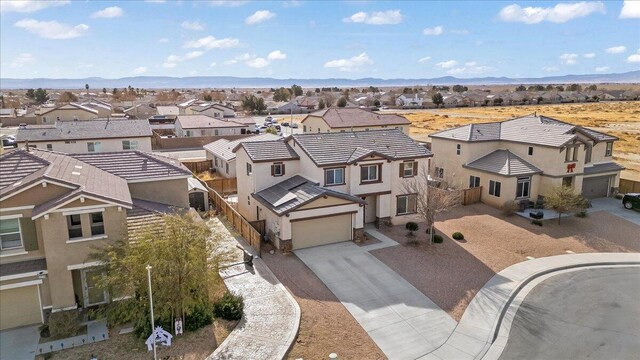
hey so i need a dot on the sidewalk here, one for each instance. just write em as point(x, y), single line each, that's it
point(271, 315)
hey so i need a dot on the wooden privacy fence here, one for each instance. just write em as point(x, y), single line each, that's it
point(471, 196)
point(223, 186)
point(244, 227)
point(198, 166)
point(629, 186)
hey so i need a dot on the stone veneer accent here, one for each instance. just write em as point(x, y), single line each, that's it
point(383, 222)
point(358, 235)
point(286, 245)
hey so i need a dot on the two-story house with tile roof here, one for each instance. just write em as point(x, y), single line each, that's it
point(71, 111)
point(222, 157)
point(352, 119)
point(521, 158)
point(55, 208)
point(303, 183)
point(99, 135)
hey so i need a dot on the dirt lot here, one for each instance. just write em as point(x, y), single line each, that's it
point(621, 119)
point(451, 273)
point(326, 326)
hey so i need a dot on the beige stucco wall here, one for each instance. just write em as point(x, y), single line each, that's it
point(65, 115)
point(34, 196)
point(221, 169)
point(315, 124)
point(171, 192)
point(180, 132)
point(80, 146)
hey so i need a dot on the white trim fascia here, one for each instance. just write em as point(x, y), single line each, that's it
point(23, 275)
point(159, 179)
point(92, 238)
point(82, 210)
point(13, 253)
point(36, 184)
point(47, 307)
point(9, 217)
point(20, 284)
point(40, 304)
point(84, 265)
point(17, 208)
point(64, 309)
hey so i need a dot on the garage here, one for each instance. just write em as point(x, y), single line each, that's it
point(321, 231)
point(20, 307)
point(595, 187)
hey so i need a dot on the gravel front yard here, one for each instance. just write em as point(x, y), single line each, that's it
point(326, 326)
point(451, 273)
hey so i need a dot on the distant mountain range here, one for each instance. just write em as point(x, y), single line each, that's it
point(157, 82)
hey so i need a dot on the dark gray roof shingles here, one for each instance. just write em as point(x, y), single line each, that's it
point(85, 129)
point(503, 162)
point(269, 150)
point(135, 165)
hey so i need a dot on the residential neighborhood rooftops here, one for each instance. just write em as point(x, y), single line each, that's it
point(350, 147)
point(531, 129)
point(135, 165)
point(268, 150)
point(85, 129)
point(70, 106)
point(294, 192)
point(223, 148)
point(503, 162)
point(168, 110)
point(204, 121)
point(356, 117)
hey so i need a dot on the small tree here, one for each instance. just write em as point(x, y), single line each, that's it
point(342, 102)
point(296, 90)
point(104, 90)
point(207, 97)
point(30, 94)
point(86, 87)
point(376, 103)
point(437, 99)
point(321, 104)
point(521, 88)
point(563, 199)
point(329, 98)
point(41, 96)
point(67, 96)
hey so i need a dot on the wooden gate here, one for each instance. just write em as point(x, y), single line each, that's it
point(471, 196)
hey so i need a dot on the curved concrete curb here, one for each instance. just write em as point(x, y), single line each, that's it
point(479, 326)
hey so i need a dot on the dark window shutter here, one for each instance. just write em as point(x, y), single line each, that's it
point(282, 169)
point(415, 168)
point(29, 236)
point(273, 171)
point(402, 169)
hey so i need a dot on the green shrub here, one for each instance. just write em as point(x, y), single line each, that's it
point(201, 316)
point(457, 236)
point(229, 307)
point(581, 214)
point(536, 222)
point(44, 331)
point(411, 226)
point(64, 324)
point(437, 239)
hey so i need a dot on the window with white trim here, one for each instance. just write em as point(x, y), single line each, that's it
point(74, 226)
point(129, 145)
point(278, 169)
point(94, 146)
point(523, 189)
point(249, 169)
point(408, 169)
point(10, 236)
point(494, 188)
point(369, 173)
point(334, 176)
point(474, 181)
point(406, 204)
point(97, 223)
point(609, 150)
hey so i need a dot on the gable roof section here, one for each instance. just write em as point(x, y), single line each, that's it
point(223, 148)
point(85, 129)
point(350, 147)
point(503, 162)
point(70, 106)
point(135, 166)
point(205, 122)
point(356, 117)
point(268, 150)
point(18, 166)
point(290, 194)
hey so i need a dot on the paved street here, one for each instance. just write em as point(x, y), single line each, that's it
point(614, 206)
point(591, 313)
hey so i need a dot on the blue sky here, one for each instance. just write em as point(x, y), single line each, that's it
point(297, 39)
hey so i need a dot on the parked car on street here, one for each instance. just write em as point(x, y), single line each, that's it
point(631, 201)
point(294, 125)
point(261, 129)
point(9, 141)
point(285, 124)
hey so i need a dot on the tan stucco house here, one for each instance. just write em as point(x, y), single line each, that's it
point(222, 157)
point(522, 158)
point(203, 125)
point(54, 208)
point(300, 184)
point(99, 135)
point(352, 119)
point(71, 111)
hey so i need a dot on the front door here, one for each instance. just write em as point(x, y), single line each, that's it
point(91, 293)
point(370, 209)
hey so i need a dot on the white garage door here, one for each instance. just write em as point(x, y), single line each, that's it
point(321, 231)
point(595, 187)
point(20, 307)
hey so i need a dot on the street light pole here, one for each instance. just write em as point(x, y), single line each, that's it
point(153, 327)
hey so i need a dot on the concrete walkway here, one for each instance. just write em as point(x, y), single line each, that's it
point(476, 335)
point(615, 207)
point(271, 315)
point(402, 321)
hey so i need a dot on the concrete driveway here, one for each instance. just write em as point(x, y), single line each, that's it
point(19, 343)
point(614, 206)
point(402, 321)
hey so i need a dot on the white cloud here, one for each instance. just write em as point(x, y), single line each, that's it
point(276, 55)
point(108, 13)
point(22, 60)
point(434, 31)
point(210, 42)
point(635, 58)
point(630, 10)
point(173, 60)
point(230, 62)
point(389, 17)
point(259, 16)
point(163, 40)
point(52, 29)
point(193, 55)
point(355, 63)
point(243, 57)
point(602, 68)
point(169, 65)
point(589, 55)
point(470, 67)
point(258, 63)
point(213, 64)
point(550, 68)
point(560, 13)
point(139, 70)
point(155, 1)
point(447, 64)
point(424, 59)
point(569, 59)
point(616, 49)
point(227, 3)
point(27, 6)
point(292, 3)
point(192, 25)
point(460, 31)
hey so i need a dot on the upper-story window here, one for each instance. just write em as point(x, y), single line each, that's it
point(572, 153)
point(277, 169)
point(97, 223)
point(370, 173)
point(458, 149)
point(94, 146)
point(129, 145)
point(334, 176)
point(408, 169)
point(10, 236)
point(249, 169)
point(587, 153)
point(74, 226)
point(530, 150)
point(49, 147)
point(609, 150)
point(226, 168)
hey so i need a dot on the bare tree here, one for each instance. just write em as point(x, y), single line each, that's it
point(434, 196)
point(329, 98)
point(563, 199)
